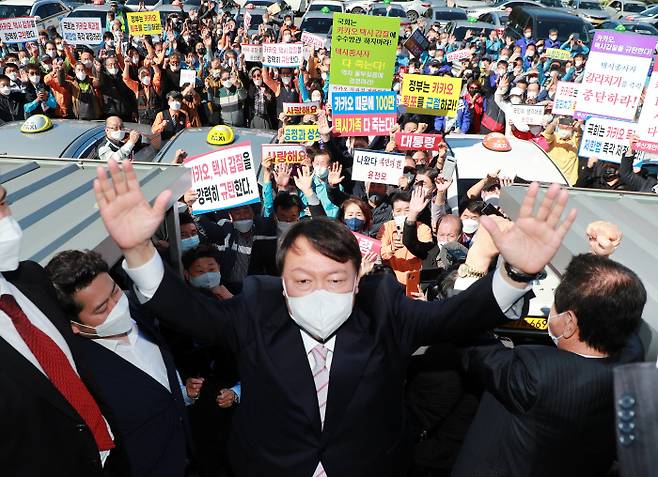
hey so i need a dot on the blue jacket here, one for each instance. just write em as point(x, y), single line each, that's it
point(463, 121)
point(523, 43)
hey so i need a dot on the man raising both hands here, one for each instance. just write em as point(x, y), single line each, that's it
point(321, 354)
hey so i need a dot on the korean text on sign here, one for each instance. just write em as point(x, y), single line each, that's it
point(82, 31)
point(283, 55)
point(434, 95)
point(284, 153)
point(308, 133)
point(18, 30)
point(647, 125)
point(367, 244)
point(564, 102)
point(557, 54)
point(300, 109)
point(364, 113)
point(418, 142)
point(223, 179)
point(606, 139)
point(315, 41)
point(459, 54)
point(527, 114)
point(144, 23)
point(363, 50)
point(615, 74)
point(253, 53)
point(380, 167)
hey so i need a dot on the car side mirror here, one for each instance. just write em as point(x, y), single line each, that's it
point(37, 18)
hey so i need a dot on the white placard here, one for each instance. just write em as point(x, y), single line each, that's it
point(82, 31)
point(647, 124)
point(564, 102)
point(379, 167)
point(530, 114)
point(18, 30)
point(310, 39)
point(459, 54)
point(224, 179)
point(283, 55)
point(187, 77)
point(606, 139)
point(252, 53)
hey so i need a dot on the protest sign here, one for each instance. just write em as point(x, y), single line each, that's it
point(315, 41)
point(434, 95)
point(18, 30)
point(274, 9)
point(647, 125)
point(283, 55)
point(144, 23)
point(223, 179)
point(417, 43)
point(284, 153)
point(336, 88)
point(564, 102)
point(187, 77)
point(364, 113)
point(300, 109)
point(615, 74)
point(363, 50)
point(606, 139)
point(308, 133)
point(82, 31)
point(253, 53)
point(531, 115)
point(418, 142)
point(379, 167)
point(459, 54)
point(368, 244)
point(557, 54)
point(246, 23)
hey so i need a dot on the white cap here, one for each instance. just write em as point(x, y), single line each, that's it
point(516, 91)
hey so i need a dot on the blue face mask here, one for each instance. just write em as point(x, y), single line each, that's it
point(189, 243)
point(207, 280)
point(354, 224)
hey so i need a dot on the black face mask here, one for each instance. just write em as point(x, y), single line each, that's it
point(609, 173)
point(201, 51)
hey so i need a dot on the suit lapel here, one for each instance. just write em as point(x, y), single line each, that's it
point(351, 354)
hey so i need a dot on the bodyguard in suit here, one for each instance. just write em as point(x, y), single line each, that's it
point(126, 364)
point(549, 410)
point(51, 423)
point(322, 355)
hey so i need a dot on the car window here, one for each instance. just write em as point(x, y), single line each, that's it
point(40, 11)
point(615, 5)
point(10, 11)
point(447, 15)
point(485, 18)
point(633, 7)
point(609, 24)
point(644, 29)
point(649, 12)
point(316, 25)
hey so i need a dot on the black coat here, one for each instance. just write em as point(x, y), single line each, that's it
point(277, 429)
point(546, 412)
point(43, 433)
point(11, 107)
point(118, 99)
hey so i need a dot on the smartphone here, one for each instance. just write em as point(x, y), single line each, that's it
point(448, 169)
point(413, 281)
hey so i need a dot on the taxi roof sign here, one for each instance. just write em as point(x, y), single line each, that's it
point(220, 135)
point(36, 124)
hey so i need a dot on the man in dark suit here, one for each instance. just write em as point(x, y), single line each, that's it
point(126, 364)
point(52, 425)
point(549, 411)
point(321, 355)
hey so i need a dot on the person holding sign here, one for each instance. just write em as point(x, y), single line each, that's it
point(319, 319)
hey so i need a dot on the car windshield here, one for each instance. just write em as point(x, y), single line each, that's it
point(460, 32)
point(589, 6)
point(564, 29)
point(634, 7)
point(316, 25)
point(393, 12)
point(316, 7)
point(11, 11)
point(89, 14)
point(443, 15)
point(649, 12)
point(552, 3)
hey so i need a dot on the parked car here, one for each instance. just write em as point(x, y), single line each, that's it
point(622, 8)
point(541, 20)
point(412, 8)
point(589, 10)
point(498, 19)
point(333, 5)
point(641, 28)
point(317, 23)
point(460, 27)
point(650, 15)
point(442, 15)
point(381, 10)
point(48, 13)
point(502, 6)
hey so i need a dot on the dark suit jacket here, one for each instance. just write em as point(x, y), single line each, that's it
point(277, 424)
point(149, 422)
point(546, 412)
point(42, 432)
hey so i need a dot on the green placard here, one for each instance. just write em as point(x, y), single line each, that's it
point(363, 50)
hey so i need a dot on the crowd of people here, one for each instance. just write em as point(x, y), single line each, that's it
point(282, 349)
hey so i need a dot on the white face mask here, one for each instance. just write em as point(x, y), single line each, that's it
point(286, 80)
point(258, 82)
point(227, 84)
point(320, 313)
point(12, 76)
point(175, 105)
point(117, 322)
point(528, 34)
point(208, 280)
point(216, 74)
point(283, 227)
point(146, 80)
point(5, 90)
point(469, 226)
point(117, 135)
point(555, 339)
point(81, 75)
point(399, 221)
point(564, 133)
point(243, 226)
point(34, 79)
point(515, 100)
point(87, 63)
point(321, 172)
point(10, 243)
point(113, 71)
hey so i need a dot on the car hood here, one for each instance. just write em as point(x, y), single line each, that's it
point(592, 13)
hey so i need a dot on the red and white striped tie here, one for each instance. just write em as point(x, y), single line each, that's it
point(321, 378)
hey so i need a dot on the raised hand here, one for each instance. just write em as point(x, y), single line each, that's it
point(442, 184)
point(417, 204)
point(282, 175)
point(323, 126)
point(335, 176)
point(304, 180)
point(128, 217)
point(367, 263)
point(533, 240)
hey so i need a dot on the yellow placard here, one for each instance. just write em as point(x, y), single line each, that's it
point(307, 133)
point(557, 54)
point(144, 23)
point(434, 95)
